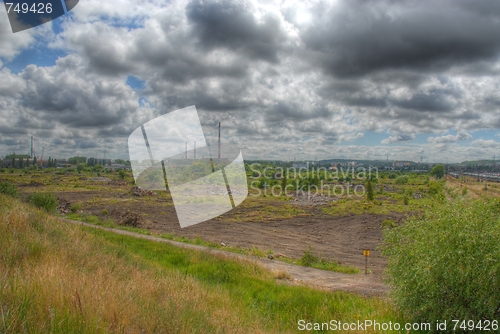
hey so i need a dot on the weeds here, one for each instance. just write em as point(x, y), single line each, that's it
point(46, 201)
point(8, 189)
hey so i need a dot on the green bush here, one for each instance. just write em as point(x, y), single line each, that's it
point(435, 188)
point(8, 189)
point(388, 223)
point(403, 179)
point(76, 207)
point(46, 201)
point(308, 258)
point(444, 265)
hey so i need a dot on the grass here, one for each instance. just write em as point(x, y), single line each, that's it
point(62, 278)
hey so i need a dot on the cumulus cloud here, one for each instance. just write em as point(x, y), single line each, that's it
point(449, 138)
point(398, 138)
point(297, 78)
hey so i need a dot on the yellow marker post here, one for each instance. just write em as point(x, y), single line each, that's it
point(366, 253)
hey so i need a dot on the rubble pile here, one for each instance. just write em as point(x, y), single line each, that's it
point(313, 199)
point(138, 191)
point(130, 219)
point(99, 179)
point(118, 183)
point(64, 207)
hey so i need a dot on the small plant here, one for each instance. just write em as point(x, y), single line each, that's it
point(308, 258)
point(464, 191)
point(406, 200)
point(46, 201)
point(8, 189)
point(104, 212)
point(76, 207)
point(388, 223)
point(122, 173)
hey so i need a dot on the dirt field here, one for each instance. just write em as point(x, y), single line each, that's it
point(340, 238)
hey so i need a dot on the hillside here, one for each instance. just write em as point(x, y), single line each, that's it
point(60, 278)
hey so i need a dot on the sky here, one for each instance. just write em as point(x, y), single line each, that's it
point(352, 79)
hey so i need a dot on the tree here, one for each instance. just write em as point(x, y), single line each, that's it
point(369, 190)
point(81, 166)
point(97, 168)
point(76, 160)
point(443, 264)
point(437, 171)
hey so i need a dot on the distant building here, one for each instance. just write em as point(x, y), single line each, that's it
point(401, 164)
point(300, 165)
point(117, 167)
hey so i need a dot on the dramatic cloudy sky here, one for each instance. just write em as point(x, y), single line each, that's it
point(332, 79)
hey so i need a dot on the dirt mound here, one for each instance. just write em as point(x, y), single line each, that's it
point(138, 191)
point(130, 219)
point(99, 179)
point(314, 199)
point(118, 183)
point(35, 184)
point(64, 206)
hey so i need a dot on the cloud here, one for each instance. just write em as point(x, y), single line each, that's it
point(354, 38)
point(301, 78)
point(486, 143)
point(449, 138)
point(233, 25)
point(398, 138)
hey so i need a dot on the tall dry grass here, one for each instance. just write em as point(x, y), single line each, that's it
point(58, 278)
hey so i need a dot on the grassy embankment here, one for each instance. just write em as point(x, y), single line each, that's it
point(61, 278)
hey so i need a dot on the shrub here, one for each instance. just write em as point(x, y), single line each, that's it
point(389, 223)
point(76, 207)
point(435, 188)
point(122, 174)
point(464, 191)
point(308, 258)
point(8, 189)
point(444, 265)
point(46, 201)
point(403, 179)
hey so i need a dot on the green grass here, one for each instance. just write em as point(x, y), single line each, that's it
point(62, 278)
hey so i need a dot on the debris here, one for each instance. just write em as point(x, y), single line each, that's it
point(64, 206)
point(130, 219)
point(270, 256)
point(118, 183)
point(223, 244)
point(99, 179)
point(138, 191)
